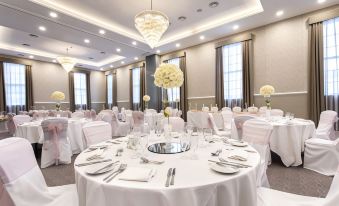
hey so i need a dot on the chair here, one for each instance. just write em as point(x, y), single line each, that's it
point(51, 113)
point(20, 119)
point(178, 124)
point(56, 147)
point(78, 115)
point(93, 114)
point(138, 118)
point(23, 113)
point(10, 124)
point(321, 155)
point(226, 109)
point(22, 181)
point(277, 113)
point(238, 122)
point(66, 114)
point(227, 116)
point(96, 132)
point(236, 109)
point(325, 129)
point(150, 111)
point(270, 197)
point(87, 114)
point(257, 133)
point(262, 111)
point(215, 128)
point(118, 128)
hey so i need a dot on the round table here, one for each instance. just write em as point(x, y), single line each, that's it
point(195, 183)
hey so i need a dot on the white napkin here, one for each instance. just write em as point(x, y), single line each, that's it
point(238, 155)
point(137, 174)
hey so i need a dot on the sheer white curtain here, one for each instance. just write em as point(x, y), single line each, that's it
point(233, 77)
point(15, 87)
point(173, 94)
point(136, 88)
point(331, 64)
point(80, 91)
point(110, 91)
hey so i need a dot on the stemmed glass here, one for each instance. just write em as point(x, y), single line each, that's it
point(136, 138)
point(208, 134)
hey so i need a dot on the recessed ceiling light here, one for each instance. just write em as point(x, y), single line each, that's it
point(158, 51)
point(279, 13)
point(42, 28)
point(202, 37)
point(213, 4)
point(87, 41)
point(111, 66)
point(199, 10)
point(31, 57)
point(33, 35)
point(101, 69)
point(177, 45)
point(25, 44)
point(101, 31)
point(321, 1)
point(53, 14)
point(118, 50)
point(136, 58)
point(182, 18)
point(102, 52)
point(54, 60)
point(122, 62)
point(90, 58)
point(134, 43)
point(22, 55)
point(235, 27)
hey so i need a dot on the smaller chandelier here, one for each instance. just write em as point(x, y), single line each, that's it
point(66, 62)
point(151, 25)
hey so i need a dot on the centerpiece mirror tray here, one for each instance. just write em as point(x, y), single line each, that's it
point(168, 148)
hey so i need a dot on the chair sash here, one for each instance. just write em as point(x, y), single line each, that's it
point(138, 118)
point(178, 124)
point(239, 121)
point(93, 114)
point(87, 114)
point(257, 131)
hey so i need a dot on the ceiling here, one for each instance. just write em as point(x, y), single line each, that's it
point(82, 19)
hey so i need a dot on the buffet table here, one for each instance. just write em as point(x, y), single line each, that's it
point(196, 184)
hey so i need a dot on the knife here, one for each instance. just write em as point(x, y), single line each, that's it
point(91, 163)
point(169, 173)
point(173, 175)
point(107, 166)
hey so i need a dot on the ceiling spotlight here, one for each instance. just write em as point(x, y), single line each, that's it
point(53, 14)
point(134, 43)
point(91, 58)
point(321, 1)
point(182, 18)
point(118, 50)
point(101, 31)
point(101, 69)
point(235, 27)
point(202, 37)
point(22, 55)
point(54, 60)
point(31, 57)
point(279, 13)
point(136, 58)
point(42, 28)
point(177, 45)
point(25, 44)
point(158, 51)
point(199, 10)
point(111, 66)
point(122, 62)
point(33, 35)
point(213, 4)
point(87, 41)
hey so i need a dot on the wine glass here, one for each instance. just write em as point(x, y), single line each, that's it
point(194, 143)
point(208, 134)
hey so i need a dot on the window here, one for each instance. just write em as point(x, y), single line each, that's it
point(15, 87)
point(80, 91)
point(331, 57)
point(110, 90)
point(173, 94)
point(136, 83)
point(232, 65)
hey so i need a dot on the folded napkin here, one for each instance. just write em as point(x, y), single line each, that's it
point(137, 174)
point(238, 155)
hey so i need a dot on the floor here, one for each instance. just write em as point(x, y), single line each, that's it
point(295, 180)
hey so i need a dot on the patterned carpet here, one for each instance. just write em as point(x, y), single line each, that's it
point(295, 180)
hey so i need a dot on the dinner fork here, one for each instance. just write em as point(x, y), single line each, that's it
point(115, 173)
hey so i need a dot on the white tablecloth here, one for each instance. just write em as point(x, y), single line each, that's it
point(32, 131)
point(200, 119)
point(195, 183)
point(288, 139)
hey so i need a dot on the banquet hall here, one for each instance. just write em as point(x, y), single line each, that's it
point(151, 103)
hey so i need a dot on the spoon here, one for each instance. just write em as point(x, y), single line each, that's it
point(145, 160)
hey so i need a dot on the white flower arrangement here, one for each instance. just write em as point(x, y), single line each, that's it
point(267, 90)
point(168, 76)
point(58, 96)
point(146, 98)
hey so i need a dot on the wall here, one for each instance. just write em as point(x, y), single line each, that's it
point(123, 87)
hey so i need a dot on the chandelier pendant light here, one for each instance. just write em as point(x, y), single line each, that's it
point(152, 25)
point(66, 62)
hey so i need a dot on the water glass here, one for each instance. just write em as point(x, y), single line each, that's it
point(208, 134)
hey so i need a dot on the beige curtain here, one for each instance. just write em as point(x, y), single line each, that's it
point(142, 86)
point(183, 88)
point(219, 77)
point(246, 74)
point(2, 89)
point(88, 90)
point(71, 91)
point(316, 66)
point(29, 88)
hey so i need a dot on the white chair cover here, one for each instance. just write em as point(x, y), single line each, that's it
point(322, 156)
point(119, 129)
point(138, 118)
point(56, 146)
point(226, 109)
point(257, 133)
point(215, 128)
point(10, 124)
point(20, 119)
point(198, 119)
point(23, 180)
point(93, 114)
point(115, 109)
point(205, 109)
point(277, 112)
point(150, 111)
point(236, 109)
point(178, 124)
point(78, 114)
point(238, 122)
point(227, 116)
point(96, 132)
point(325, 128)
point(262, 111)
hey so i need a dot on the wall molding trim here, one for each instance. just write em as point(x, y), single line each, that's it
point(285, 93)
point(98, 102)
point(120, 101)
point(50, 102)
point(203, 97)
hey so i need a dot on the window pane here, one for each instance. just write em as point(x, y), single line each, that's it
point(110, 89)
point(232, 64)
point(80, 90)
point(136, 85)
point(15, 86)
point(174, 93)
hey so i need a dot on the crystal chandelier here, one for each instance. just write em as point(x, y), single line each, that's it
point(151, 25)
point(66, 62)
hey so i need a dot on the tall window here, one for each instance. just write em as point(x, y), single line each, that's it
point(136, 84)
point(110, 90)
point(331, 57)
point(80, 91)
point(233, 81)
point(173, 94)
point(15, 87)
